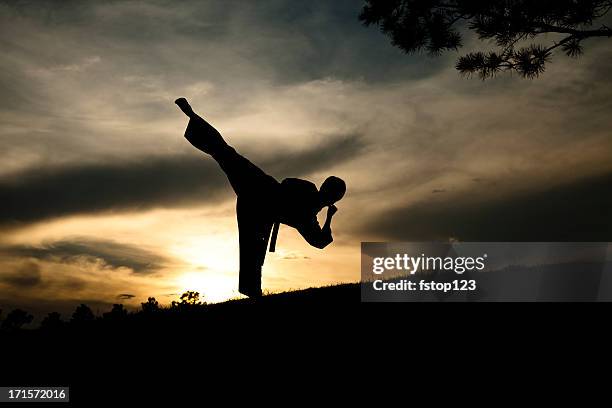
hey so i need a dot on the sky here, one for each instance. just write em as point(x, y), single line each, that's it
point(103, 201)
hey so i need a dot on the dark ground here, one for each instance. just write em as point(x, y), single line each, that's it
point(306, 343)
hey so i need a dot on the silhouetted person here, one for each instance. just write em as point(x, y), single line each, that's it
point(263, 203)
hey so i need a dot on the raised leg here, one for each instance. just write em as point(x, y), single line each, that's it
point(245, 177)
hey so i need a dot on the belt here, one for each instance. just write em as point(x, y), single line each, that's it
point(274, 236)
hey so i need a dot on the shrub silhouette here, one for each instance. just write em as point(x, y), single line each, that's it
point(16, 319)
point(82, 315)
point(52, 321)
point(118, 312)
point(175, 315)
point(150, 306)
point(189, 300)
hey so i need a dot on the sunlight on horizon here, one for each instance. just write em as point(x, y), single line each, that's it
point(86, 258)
point(212, 289)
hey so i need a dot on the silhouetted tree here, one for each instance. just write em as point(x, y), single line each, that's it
point(16, 319)
point(150, 306)
point(82, 314)
point(118, 312)
point(188, 299)
point(52, 321)
point(435, 26)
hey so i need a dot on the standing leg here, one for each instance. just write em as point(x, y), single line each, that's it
point(253, 230)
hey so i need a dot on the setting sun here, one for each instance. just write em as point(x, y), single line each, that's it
point(212, 287)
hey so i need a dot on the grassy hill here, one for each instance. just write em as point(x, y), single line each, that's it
point(166, 342)
point(191, 310)
point(333, 293)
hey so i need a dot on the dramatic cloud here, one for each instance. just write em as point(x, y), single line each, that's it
point(27, 275)
point(113, 254)
point(39, 193)
point(578, 211)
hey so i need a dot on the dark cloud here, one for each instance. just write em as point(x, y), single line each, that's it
point(70, 283)
point(87, 188)
point(125, 296)
point(283, 41)
point(332, 44)
point(577, 211)
point(113, 254)
point(26, 276)
point(41, 193)
point(337, 150)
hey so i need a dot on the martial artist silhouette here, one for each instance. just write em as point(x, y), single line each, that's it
point(262, 202)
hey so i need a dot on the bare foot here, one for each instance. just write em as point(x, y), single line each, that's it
point(185, 107)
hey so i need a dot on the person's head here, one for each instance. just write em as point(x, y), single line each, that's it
point(332, 190)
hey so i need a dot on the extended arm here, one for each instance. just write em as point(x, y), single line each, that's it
point(316, 236)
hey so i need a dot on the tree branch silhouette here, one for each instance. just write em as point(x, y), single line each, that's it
point(436, 26)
